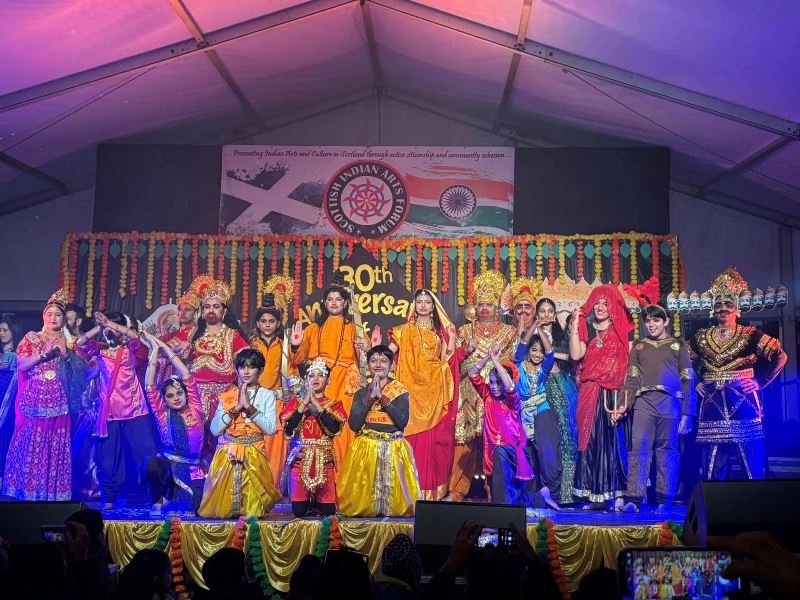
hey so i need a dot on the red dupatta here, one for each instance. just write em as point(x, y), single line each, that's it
point(603, 366)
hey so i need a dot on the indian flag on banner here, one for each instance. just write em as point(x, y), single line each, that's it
point(373, 192)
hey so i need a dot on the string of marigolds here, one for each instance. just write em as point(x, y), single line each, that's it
point(320, 264)
point(461, 298)
point(210, 257)
point(539, 262)
point(309, 267)
point(179, 270)
point(551, 261)
point(471, 268)
point(512, 269)
point(165, 272)
point(579, 260)
point(195, 257)
point(407, 268)
point(634, 280)
point(90, 277)
point(615, 261)
point(134, 287)
point(246, 282)
point(562, 261)
point(286, 246)
point(234, 265)
point(298, 258)
point(104, 268)
point(676, 282)
point(484, 258)
point(434, 267)
point(151, 269)
point(221, 258)
point(523, 263)
point(598, 260)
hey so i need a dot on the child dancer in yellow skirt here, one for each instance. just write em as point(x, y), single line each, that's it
point(379, 475)
point(239, 480)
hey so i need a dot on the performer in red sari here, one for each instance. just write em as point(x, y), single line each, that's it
point(600, 474)
point(215, 343)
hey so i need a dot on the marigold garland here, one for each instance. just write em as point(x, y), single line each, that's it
point(90, 276)
point(286, 246)
point(151, 269)
point(134, 287)
point(407, 267)
point(337, 256)
point(497, 246)
point(176, 558)
point(220, 258)
point(63, 277)
point(484, 258)
point(420, 263)
point(234, 265)
point(329, 536)
point(655, 257)
point(471, 267)
point(104, 270)
point(460, 275)
point(615, 260)
point(434, 267)
point(579, 260)
point(179, 270)
point(512, 268)
point(256, 556)
point(246, 281)
point(551, 261)
point(562, 260)
point(547, 547)
point(539, 262)
point(445, 269)
point(298, 265)
point(598, 260)
point(210, 245)
point(320, 263)
point(195, 252)
point(73, 268)
point(165, 273)
point(523, 259)
point(676, 319)
point(239, 534)
point(668, 532)
point(309, 266)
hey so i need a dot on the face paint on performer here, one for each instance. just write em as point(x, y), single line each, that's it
point(53, 318)
point(335, 304)
point(601, 310)
point(267, 325)
point(213, 311)
point(186, 314)
point(523, 311)
point(486, 311)
point(423, 305)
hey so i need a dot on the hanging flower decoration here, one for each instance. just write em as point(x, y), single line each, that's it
point(562, 260)
point(408, 268)
point(273, 259)
point(384, 255)
point(523, 259)
point(298, 265)
point(63, 277)
point(655, 256)
point(286, 246)
point(195, 258)
point(551, 261)
point(512, 269)
point(471, 268)
point(460, 275)
point(256, 557)
point(434, 267)
point(615, 260)
point(73, 268)
point(337, 256)
point(579, 260)
point(329, 536)
point(134, 287)
point(239, 534)
point(104, 268)
point(176, 559)
point(179, 269)
point(445, 270)
point(320, 263)
point(539, 262)
point(164, 288)
point(420, 263)
point(151, 269)
point(497, 246)
point(547, 548)
point(676, 319)
point(634, 280)
point(598, 259)
point(90, 276)
point(246, 280)
point(484, 258)
point(309, 266)
point(221, 258)
point(123, 269)
point(211, 244)
point(260, 266)
point(234, 265)
point(668, 532)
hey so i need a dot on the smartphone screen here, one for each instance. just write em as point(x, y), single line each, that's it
point(499, 538)
point(54, 533)
point(689, 573)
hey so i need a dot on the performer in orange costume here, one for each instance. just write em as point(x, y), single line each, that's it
point(333, 338)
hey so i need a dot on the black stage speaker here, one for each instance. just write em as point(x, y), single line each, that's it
point(436, 525)
point(21, 522)
point(732, 507)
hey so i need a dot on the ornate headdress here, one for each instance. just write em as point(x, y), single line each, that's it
point(278, 291)
point(437, 307)
point(318, 364)
point(727, 287)
point(207, 287)
point(191, 298)
point(58, 298)
point(488, 286)
point(524, 288)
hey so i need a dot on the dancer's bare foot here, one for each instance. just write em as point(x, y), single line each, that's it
point(629, 507)
point(548, 498)
point(595, 506)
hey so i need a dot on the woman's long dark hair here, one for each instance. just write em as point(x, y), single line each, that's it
point(229, 320)
point(268, 310)
point(560, 338)
point(323, 314)
point(16, 332)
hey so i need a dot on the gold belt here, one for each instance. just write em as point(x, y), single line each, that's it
point(247, 440)
point(326, 441)
point(381, 435)
point(728, 376)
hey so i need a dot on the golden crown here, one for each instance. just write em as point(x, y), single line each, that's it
point(727, 286)
point(524, 288)
point(281, 288)
point(191, 298)
point(206, 287)
point(318, 364)
point(58, 298)
point(488, 286)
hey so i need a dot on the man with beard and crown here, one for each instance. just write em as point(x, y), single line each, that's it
point(270, 340)
point(334, 338)
point(735, 363)
point(215, 342)
point(477, 338)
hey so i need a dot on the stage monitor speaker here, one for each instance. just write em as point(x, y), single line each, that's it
point(21, 522)
point(436, 525)
point(732, 507)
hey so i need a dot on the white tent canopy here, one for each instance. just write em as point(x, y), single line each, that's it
point(716, 81)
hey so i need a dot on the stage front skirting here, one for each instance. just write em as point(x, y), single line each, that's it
point(582, 548)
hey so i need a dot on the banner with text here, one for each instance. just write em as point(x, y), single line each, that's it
point(372, 192)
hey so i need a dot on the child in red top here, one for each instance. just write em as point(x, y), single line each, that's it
point(504, 460)
point(311, 423)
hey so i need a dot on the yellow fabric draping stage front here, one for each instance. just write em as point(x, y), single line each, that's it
point(582, 548)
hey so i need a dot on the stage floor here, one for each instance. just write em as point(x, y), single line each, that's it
point(586, 539)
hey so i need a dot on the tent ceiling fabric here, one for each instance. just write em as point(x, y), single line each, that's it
point(283, 57)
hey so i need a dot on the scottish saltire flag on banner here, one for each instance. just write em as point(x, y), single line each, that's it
point(374, 191)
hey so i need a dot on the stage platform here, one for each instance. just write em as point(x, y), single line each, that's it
point(586, 540)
